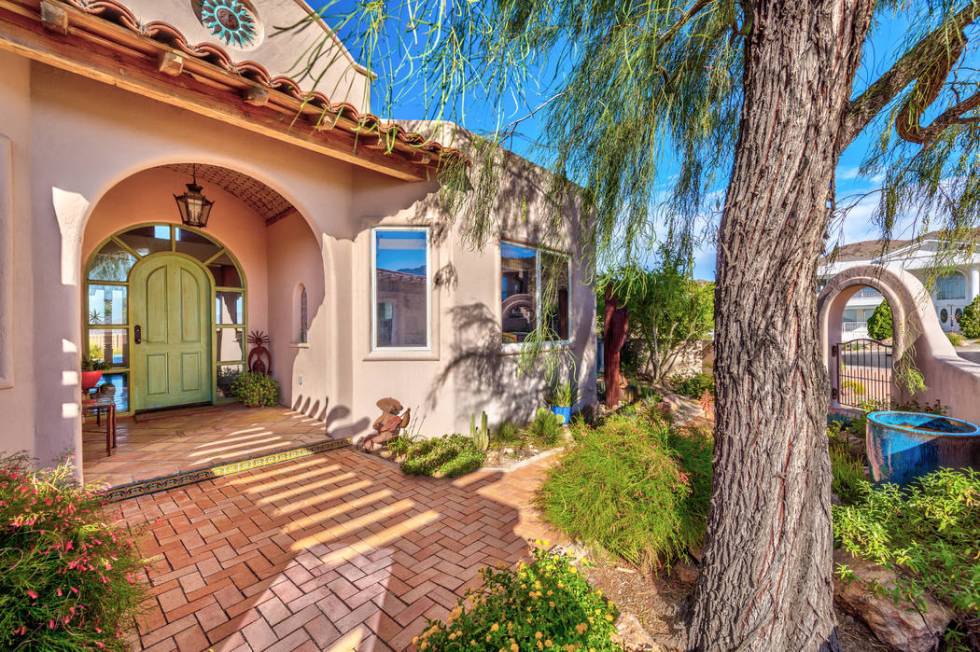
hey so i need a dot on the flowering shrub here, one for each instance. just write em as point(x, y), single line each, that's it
point(68, 581)
point(544, 605)
point(255, 389)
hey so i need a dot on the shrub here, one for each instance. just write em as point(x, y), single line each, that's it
point(256, 390)
point(693, 386)
point(849, 481)
point(546, 604)
point(442, 457)
point(546, 427)
point(880, 322)
point(970, 319)
point(562, 395)
point(634, 487)
point(927, 533)
point(507, 433)
point(68, 580)
point(956, 339)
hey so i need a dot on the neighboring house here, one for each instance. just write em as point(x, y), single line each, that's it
point(950, 269)
point(326, 232)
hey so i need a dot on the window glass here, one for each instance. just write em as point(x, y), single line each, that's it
point(120, 385)
point(146, 240)
point(225, 272)
point(230, 344)
point(109, 345)
point(107, 304)
point(194, 244)
point(227, 373)
point(534, 293)
point(951, 287)
point(518, 277)
point(229, 307)
point(554, 295)
point(304, 315)
point(112, 263)
point(401, 288)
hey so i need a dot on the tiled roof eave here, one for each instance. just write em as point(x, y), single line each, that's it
point(108, 24)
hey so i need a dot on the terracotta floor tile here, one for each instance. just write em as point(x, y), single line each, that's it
point(289, 559)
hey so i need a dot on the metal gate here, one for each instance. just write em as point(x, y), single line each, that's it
point(864, 373)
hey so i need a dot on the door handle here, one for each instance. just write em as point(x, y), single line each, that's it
point(137, 334)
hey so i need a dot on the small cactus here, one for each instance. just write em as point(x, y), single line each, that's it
point(481, 435)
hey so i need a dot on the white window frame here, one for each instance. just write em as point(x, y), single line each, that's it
point(537, 290)
point(374, 288)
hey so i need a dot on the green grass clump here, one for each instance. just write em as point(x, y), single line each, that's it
point(545, 429)
point(927, 532)
point(693, 386)
point(634, 487)
point(544, 605)
point(441, 457)
point(68, 579)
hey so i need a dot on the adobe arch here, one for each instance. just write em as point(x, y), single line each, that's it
point(953, 381)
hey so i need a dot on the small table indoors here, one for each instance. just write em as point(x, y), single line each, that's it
point(97, 404)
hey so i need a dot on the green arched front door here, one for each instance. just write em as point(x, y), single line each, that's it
point(169, 304)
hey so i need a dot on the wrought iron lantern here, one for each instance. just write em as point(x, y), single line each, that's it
point(194, 207)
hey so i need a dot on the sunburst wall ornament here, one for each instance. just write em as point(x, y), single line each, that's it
point(230, 20)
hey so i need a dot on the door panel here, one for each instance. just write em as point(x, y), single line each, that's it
point(170, 301)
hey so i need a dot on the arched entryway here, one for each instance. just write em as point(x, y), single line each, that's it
point(165, 313)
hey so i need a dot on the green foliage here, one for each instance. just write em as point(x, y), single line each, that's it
point(693, 386)
point(507, 433)
point(562, 395)
point(544, 605)
point(546, 427)
point(956, 339)
point(440, 457)
point(880, 322)
point(481, 435)
point(92, 364)
point(668, 311)
point(633, 486)
point(849, 481)
point(928, 533)
point(970, 319)
point(256, 390)
point(68, 580)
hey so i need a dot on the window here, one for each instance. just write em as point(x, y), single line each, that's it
point(303, 316)
point(400, 288)
point(951, 287)
point(534, 293)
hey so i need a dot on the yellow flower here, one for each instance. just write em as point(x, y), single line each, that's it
point(581, 628)
point(514, 647)
point(548, 643)
point(573, 569)
point(494, 627)
point(538, 635)
point(609, 617)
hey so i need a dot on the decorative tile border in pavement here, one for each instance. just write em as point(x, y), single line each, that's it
point(182, 478)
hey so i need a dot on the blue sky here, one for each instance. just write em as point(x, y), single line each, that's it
point(401, 251)
point(886, 42)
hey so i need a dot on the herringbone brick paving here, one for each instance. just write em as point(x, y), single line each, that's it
point(337, 551)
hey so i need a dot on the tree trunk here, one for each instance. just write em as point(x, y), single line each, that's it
point(766, 583)
point(616, 328)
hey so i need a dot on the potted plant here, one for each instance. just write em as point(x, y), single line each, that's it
point(91, 373)
point(561, 401)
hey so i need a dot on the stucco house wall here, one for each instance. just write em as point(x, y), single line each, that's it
point(83, 169)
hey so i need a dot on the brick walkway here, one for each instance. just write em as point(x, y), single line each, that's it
point(337, 551)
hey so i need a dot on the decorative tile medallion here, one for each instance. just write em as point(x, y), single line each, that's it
point(182, 478)
point(232, 21)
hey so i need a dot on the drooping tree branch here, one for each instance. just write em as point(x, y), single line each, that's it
point(929, 60)
point(908, 124)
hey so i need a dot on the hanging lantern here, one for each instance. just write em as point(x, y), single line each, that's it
point(194, 207)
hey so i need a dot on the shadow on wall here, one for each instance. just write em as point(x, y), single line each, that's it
point(483, 375)
point(330, 416)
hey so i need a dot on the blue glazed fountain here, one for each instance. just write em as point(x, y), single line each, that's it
point(905, 445)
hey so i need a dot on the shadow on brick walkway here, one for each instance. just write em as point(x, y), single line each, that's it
point(337, 551)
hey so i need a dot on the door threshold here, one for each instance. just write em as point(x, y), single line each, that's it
point(146, 415)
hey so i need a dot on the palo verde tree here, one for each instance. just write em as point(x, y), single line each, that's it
point(756, 100)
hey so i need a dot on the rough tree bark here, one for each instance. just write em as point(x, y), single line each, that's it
point(766, 582)
point(615, 330)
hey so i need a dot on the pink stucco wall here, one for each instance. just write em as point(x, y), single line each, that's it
point(87, 151)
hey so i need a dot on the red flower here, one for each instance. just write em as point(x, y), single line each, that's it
point(32, 594)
